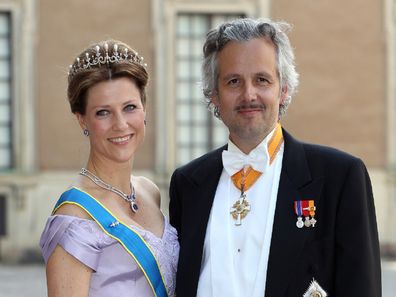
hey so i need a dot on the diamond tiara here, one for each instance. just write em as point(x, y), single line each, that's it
point(99, 59)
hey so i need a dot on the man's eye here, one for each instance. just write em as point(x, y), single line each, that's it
point(233, 81)
point(262, 80)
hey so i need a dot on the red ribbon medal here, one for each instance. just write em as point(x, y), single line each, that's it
point(306, 209)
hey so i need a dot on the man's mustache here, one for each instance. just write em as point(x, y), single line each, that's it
point(249, 106)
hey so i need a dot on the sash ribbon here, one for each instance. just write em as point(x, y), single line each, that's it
point(133, 243)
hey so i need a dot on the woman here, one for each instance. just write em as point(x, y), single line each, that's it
point(107, 235)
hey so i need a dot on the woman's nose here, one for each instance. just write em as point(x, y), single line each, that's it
point(120, 122)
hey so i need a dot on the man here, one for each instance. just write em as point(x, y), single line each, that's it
point(267, 215)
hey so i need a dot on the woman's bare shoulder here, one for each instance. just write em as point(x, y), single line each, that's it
point(149, 188)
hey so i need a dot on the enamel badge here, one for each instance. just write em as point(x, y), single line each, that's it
point(305, 211)
point(315, 290)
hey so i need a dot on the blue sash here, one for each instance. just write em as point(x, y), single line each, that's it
point(133, 243)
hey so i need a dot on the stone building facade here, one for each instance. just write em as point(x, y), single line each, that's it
point(346, 56)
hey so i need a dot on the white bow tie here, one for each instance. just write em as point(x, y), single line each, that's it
point(235, 161)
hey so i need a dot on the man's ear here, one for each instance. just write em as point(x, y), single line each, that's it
point(215, 99)
point(283, 95)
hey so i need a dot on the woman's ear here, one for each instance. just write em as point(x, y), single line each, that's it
point(81, 120)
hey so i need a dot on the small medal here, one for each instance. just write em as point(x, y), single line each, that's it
point(307, 222)
point(313, 222)
point(312, 209)
point(298, 211)
point(299, 222)
point(305, 210)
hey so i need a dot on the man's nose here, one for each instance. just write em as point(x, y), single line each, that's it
point(249, 92)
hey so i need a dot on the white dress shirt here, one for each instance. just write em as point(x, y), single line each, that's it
point(235, 258)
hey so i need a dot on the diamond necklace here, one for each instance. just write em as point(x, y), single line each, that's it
point(130, 198)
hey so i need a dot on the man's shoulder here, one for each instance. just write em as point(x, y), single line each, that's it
point(321, 155)
point(323, 151)
point(318, 150)
point(331, 159)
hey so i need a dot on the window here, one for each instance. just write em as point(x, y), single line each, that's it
point(6, 161)
point(198, 131)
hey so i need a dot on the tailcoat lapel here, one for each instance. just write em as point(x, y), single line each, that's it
point(287, 243)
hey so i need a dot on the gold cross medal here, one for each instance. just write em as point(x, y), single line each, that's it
point(240, 209)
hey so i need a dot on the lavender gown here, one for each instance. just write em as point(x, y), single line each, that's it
point(115, 272)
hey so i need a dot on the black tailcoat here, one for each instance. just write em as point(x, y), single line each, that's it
point(341, 252)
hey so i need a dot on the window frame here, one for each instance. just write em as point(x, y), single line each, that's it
point(10, 82)
point(23, 84)
point(164, 18)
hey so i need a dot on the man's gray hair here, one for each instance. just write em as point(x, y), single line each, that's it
point(242, 30)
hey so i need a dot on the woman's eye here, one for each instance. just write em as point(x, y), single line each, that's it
point(102, 112)
point(130, 107)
